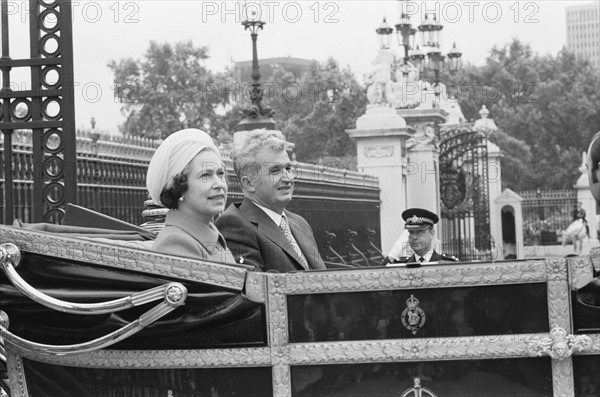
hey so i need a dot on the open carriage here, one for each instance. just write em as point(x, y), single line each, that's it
point(91, 317)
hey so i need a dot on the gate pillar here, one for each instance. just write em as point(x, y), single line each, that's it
point(588, 203)
point(495, 192)
point(381, 136)
point(423, 171)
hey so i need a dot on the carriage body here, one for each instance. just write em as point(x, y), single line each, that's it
point(466, 329)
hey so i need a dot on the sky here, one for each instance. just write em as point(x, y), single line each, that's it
point(106, 30)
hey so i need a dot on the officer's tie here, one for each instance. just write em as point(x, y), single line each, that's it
point(285, 228)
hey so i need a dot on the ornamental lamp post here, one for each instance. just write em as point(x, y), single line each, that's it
point(430, 37)
point(431, 31)
point(406, 35)
point(255, 114)
point(384, 35)
point(427, 58)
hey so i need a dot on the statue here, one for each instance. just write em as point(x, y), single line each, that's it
point(424, 136)
point(455, 114)
point(379, 90)
point(408, 89)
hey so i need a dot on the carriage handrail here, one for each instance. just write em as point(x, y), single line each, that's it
point(175, 295)
point(10, 256)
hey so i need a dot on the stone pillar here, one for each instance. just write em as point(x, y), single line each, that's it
point(422, 162)
point(588, 203)
point(510, 202)
point(422, 169)
point(381, 136)
point(494, 192)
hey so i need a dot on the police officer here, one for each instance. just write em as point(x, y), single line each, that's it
point(419, 224)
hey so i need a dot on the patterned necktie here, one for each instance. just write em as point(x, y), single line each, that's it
point(285, 228)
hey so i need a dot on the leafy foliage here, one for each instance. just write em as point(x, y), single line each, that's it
point(169, 89)
point(315, 111)
point(549, 107)
point(546, 107)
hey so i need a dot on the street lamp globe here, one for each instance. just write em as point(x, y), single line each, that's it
point(404, 31)
point(454, 58)
point(417, 58)
point(435, 59)
point(384, 35)
point(430, 31)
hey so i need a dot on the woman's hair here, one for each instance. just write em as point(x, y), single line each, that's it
point(169, 197)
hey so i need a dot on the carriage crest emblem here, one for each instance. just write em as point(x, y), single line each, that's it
point(413, 317)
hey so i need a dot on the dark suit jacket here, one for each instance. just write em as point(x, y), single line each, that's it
point(253, 236)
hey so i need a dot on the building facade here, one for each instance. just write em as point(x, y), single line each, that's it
point(583, 31)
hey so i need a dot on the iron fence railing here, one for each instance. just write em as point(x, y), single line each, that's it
point(111, 179)
point(546, 213)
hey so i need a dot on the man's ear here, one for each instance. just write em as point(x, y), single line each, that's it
point(247, 184)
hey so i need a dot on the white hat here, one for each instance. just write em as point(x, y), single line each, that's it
point(172, 156)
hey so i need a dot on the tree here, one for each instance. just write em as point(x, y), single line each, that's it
point(516, 163)
point(315, 111)
point(549, 103)
point(169, 89)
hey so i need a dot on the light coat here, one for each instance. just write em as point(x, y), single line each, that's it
point(185, 236)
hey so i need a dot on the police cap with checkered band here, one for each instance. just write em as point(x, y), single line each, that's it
point(419, 218)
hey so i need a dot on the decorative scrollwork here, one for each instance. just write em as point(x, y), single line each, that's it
point(394, 278)
point(255, 287)
point(417, 390)
point(559, 345)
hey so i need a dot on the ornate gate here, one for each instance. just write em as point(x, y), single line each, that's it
point(46, 109)
point(465, 215)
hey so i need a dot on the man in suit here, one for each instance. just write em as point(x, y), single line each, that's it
point(419, 224)
point(259, 231)
point(593, 166)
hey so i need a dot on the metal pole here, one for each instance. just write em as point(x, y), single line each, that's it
point(8, 155)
